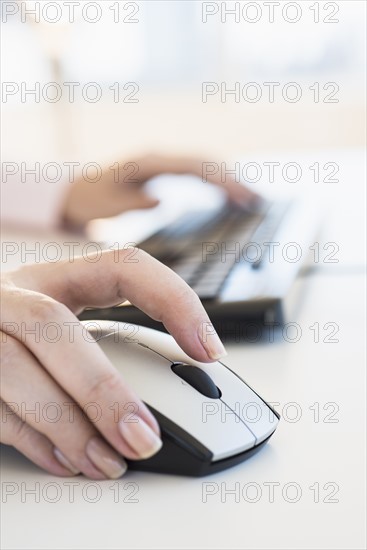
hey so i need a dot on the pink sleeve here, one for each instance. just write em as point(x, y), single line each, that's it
point(31, 203)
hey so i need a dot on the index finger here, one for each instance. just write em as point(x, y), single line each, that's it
point(130, 274)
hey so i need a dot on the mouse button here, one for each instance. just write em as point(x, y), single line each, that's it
point(247, 404)
point(184, 439)
point(228, 436)
point(206, 420)
point(198, 379)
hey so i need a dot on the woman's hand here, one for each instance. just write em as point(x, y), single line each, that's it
point(48, 364)
point(121, 188)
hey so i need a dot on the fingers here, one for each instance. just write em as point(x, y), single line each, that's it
point(133, 275)
point(76, 363)
point(139, 200)
point(29, 442)
point(217, 174)
point(80, 367)
point(45, 408)
point(238, 193)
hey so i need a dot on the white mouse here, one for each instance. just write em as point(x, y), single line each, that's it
point(210, 419)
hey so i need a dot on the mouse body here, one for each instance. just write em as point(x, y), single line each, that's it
point(210, 419)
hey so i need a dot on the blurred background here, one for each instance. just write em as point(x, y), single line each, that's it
point(166, 50)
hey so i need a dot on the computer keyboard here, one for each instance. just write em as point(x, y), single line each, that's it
point(224, 255)
point(203, 247)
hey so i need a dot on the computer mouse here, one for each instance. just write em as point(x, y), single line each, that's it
point(210, 419)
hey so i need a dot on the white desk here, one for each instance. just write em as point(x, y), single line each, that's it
point(325, 380)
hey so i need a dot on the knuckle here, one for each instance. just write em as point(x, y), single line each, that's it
point(186, 298)
point(130, 251)
point(129, 254)
point(104, 383)
point(46, 309)
point(19, 431)
point(8, 421)
point(10, 349)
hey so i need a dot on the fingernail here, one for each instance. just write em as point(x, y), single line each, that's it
point(105, 459)
point(211, 342)
point(64, 461)
point(140, 437)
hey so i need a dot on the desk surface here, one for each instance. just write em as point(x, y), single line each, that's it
point(303, 490)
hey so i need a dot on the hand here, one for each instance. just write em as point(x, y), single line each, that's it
point(122, 188)
point(48, 365)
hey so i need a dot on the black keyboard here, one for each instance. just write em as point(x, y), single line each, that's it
point(203, 247)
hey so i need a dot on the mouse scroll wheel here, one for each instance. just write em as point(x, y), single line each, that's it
point(198, 379)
